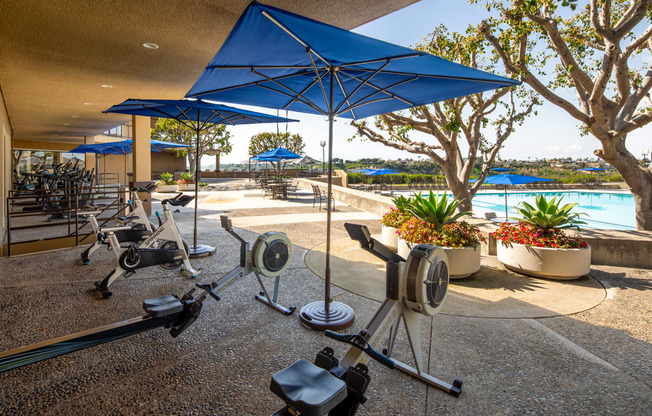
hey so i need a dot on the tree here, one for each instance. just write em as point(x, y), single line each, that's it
point(214, 138)
point(460, 119)
point(264, 142)
point(594, 52)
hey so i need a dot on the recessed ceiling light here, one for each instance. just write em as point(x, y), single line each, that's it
point(149, 45)
point(74, 116)
point(66, 124)
point(55, 135)
point(59, 130)
point(88, 103)
point(106, 86)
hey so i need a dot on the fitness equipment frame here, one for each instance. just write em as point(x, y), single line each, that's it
point(171, 251)
point(132, 228)
point(337, 388)
point(270, 257)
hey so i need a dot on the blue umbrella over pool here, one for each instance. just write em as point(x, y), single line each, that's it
point(511, 179)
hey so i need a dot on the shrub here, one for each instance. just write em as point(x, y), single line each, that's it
point(524, 233)
point(186, 178)
point(547, 215)
point(166, 178)
point(455, 234)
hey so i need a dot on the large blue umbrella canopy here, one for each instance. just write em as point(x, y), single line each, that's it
point(501, 170)
point(382, 172)
point(197, 115)
point(363, 171)
point(123, 147)
point(277, 59)
point(274, 155)
point(511, 179)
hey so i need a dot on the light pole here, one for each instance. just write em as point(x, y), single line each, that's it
point(644, 153)
point(323, 155)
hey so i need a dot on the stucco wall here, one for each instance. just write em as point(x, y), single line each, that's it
point(5, 174)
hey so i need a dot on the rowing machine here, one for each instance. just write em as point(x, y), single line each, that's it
point(337, 388)
point(270, 257)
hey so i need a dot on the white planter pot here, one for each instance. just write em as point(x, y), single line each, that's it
point(166, 188)
point(462, 262)
point(186, 187)
point(551, 263)
point(389, 236)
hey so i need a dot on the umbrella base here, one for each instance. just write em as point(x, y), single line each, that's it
point(201, 250)
point(314, 315)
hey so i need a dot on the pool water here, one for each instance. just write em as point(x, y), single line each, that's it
point(606, 210)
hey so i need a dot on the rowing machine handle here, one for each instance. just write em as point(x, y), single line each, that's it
point(358, 342)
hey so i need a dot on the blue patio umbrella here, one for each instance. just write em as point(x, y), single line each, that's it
point(382, 172)
point(277, 59)
point(196, 115)
point(123, 147)
point(510, 179)
point(592, 169)
point(276, 155)
point(501, 170)
point(363, 171)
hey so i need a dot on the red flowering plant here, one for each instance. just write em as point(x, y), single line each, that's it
point(455, 234)
point(542, 224)
point(435, 222)
point(397, 216)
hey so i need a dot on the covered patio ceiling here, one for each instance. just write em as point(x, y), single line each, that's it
point(65, 61)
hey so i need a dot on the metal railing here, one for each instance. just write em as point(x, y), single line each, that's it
point(51, 215)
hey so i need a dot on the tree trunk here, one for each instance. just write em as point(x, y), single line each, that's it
point(637, 177)
point(459, 189)
point(191, 163)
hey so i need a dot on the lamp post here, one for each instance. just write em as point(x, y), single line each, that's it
point(644, 153)
point(323, 155)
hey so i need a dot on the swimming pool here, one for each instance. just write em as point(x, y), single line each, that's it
point(606, 210)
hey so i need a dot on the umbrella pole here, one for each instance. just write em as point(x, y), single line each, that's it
point(328, 314)
point(198, 250)
point(505, 202)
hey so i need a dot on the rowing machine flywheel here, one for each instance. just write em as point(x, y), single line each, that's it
point(426, 279)
point(271, 253)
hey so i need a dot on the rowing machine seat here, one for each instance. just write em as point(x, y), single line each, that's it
point(308, 389)
point(162, 306)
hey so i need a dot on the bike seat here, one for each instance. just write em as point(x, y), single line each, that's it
point(126, 219)
point(179, 200)
point(162, 306)
point(310, 390)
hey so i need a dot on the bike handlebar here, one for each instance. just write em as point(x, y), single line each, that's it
point(359, 342)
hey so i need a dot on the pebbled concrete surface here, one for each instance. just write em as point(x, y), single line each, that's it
point(593, 362)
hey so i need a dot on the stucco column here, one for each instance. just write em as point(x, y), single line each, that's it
point(142, 155)
point(217, 162)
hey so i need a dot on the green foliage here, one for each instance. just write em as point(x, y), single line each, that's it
point(547, 215)
point(435, 210)
point(395, 218)
point(214, 138)
point(264, 142)
point(402, 203)
point(166, 179)
point(186, 178)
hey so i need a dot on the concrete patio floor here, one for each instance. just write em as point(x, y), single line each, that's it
point(591, 354)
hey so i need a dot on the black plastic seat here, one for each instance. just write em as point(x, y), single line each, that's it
point(179, 200)
point(308, 389)
point(162, 306)
point(126, 219)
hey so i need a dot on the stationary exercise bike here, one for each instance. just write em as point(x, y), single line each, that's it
point(337, 388)
point(135, 227)
point(164, 248)
point(270, 256)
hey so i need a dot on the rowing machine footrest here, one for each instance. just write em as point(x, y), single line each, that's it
point(162, 306)
point(326, 359)
point(310, 390)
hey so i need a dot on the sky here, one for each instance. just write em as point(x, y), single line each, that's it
point(552, 133)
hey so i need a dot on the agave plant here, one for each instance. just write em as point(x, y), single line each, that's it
point(547, 215)
point(402, 203)
point(166, 179)
point(186, 178)
point(435, 210)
